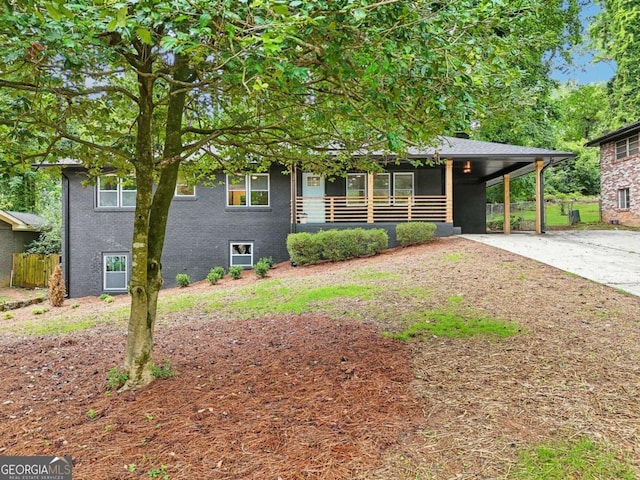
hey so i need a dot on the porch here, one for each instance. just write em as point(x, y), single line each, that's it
point(377, 209)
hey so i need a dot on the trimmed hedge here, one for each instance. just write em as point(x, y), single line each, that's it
point(415, 233)
point(335, 245)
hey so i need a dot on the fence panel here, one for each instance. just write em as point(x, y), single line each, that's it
point(33, 270)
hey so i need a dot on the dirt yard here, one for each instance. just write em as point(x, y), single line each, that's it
point(325, 395)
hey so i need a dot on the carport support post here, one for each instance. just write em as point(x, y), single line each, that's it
point(448, 190)
point(539, 211)
point(507, 204)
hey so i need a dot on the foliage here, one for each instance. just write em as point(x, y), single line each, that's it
point(335, 245)
point(183, 280)
point(262, 267)
point(164, 370)
point(235, 272)
point(39, 310)
point(219, 270)
point(141, 86)
point(116, 378)
point(213, 276)
point(581, 458)
point(105, 297)
point(415, 233)
point(615, 32)
point(56, 287)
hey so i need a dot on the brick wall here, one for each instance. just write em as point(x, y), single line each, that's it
point(615, 175)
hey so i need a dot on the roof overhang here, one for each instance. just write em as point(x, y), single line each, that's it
point(619, 134)
point(22, 222)
point(489, 161)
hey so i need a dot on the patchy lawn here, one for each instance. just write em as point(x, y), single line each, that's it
point(299, 376)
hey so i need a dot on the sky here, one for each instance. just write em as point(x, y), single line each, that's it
point(585, 69)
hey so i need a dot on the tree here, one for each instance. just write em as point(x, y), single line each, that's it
point(149, 87)
point(615, 33)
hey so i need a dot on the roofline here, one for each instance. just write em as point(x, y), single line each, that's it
point(615, 135)
point(17, 225)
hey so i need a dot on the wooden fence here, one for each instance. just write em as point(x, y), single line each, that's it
point(33, 269)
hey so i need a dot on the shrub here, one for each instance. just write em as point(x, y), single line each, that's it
point(56, 287)
point(235, 272)
point(183, 280)
point(335, 245)
point(105, 297)
point(268, 261)
point(219, 270)
point(261, 268)
point(415, 233)
point(213, 276)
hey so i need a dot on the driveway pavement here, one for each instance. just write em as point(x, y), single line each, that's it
point(611, 257)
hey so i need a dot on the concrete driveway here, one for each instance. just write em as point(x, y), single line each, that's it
point(611, 257)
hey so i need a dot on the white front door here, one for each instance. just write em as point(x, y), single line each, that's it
point(312, 198)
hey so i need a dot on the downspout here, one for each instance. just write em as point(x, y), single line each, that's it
point(66, 229)
point(294, 193)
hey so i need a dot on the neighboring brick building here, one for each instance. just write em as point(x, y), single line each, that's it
point(620, 175)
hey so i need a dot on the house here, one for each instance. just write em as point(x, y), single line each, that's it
point(620, 175)
point(17, 230)
point(246, 218)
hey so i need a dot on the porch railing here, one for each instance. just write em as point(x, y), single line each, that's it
point(418, 208)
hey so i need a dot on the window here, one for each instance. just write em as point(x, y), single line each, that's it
point(116, 192)
point(115, 272)
point(241, 254)
point(183, 189)
point(249, 190)
point(402, 186)
point(623, 199)
point(627, 147)
point(381, 188)
point(356, 188)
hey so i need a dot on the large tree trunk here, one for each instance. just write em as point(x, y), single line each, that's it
point(152, 211)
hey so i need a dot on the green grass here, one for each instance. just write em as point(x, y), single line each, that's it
point(452, 257)
point(271, 298)
point(589, 213)
point(57, 326)
point(582, 459)
point(454, 323)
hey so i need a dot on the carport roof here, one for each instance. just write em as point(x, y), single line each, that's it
point(490, 160)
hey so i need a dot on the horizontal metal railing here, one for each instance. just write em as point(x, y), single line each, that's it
point(417, 208)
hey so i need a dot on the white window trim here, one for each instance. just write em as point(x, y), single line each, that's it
point(181, 195)
point(413, 187)
point(119, 194)
point(627, 150)
point(248, 190)
point(232, 254)
point(354, 201)
point(380, 201)
point(624, 198)
point(104, 272)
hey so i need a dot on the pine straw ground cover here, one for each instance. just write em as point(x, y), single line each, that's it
point(302, 385)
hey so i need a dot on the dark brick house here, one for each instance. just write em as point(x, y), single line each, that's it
point(620, 175)
point(17, 230)
point(238, 222)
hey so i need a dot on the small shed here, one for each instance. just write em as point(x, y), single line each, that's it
point(17, 230)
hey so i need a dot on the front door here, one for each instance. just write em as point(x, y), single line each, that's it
point(312, 198)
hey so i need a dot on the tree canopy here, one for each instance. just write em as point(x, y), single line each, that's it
point(615, 33)
point(140, 86)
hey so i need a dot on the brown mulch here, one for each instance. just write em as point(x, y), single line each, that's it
point(325, 397)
